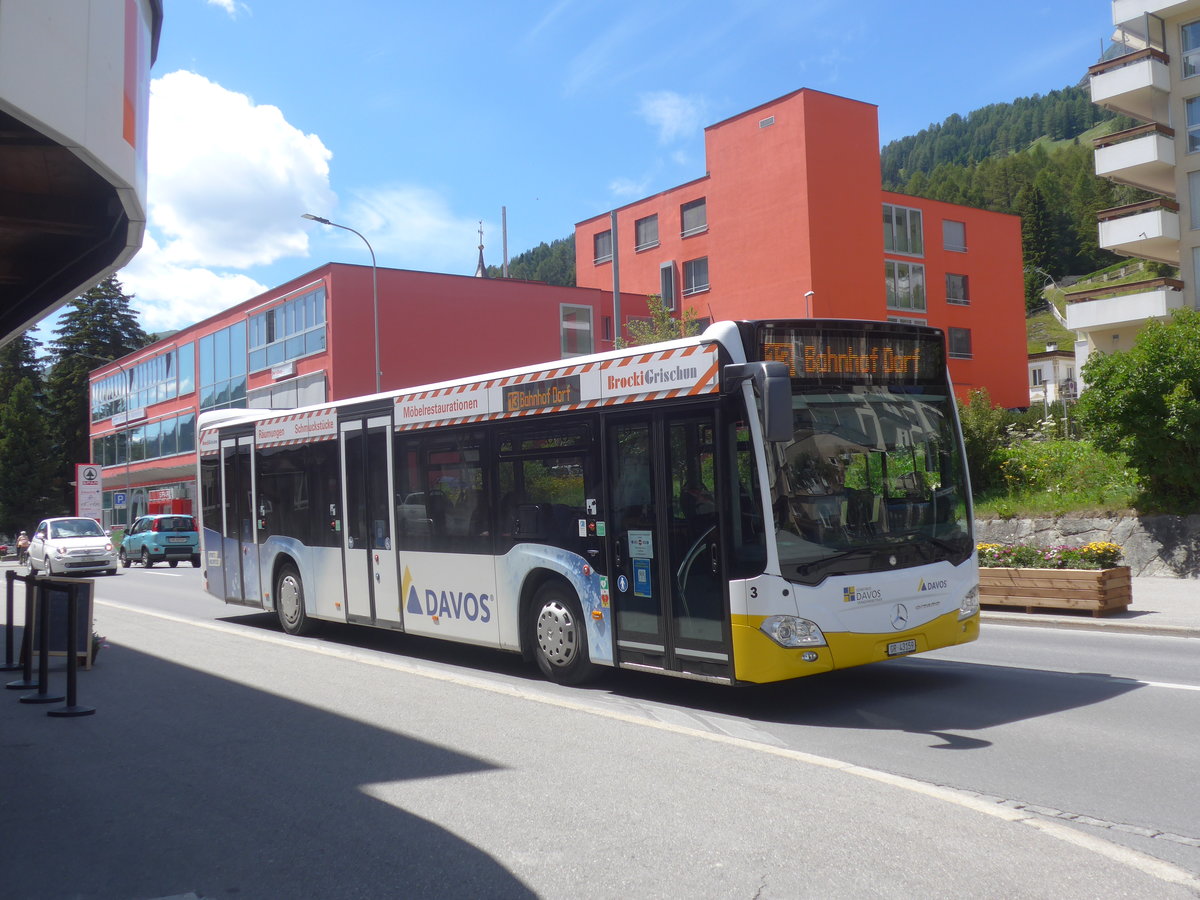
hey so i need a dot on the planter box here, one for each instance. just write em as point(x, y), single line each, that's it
point(1101, 591)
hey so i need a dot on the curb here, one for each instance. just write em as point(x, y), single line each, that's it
point(1116, 626)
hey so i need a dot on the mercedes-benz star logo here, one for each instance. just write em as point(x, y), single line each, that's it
point(899, 616)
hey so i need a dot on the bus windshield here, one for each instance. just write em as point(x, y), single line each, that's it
point(872, 479)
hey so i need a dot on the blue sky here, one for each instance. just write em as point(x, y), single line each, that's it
point(411, 122)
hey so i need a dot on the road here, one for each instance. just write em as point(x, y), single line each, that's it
point(894, 780)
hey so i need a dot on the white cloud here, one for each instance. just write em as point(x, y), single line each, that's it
point(627, 187)
point(410, 226)
point(170, 296)
point(674, 115)
point(228, 179)
point(227, 182)
point(230, 6)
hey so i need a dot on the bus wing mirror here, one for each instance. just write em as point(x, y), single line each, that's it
point(773, 384)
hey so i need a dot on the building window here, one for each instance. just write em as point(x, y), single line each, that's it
point(1190, 41)
point(222, 364)
point(905, 320)
point(695, 276)
point(602, 245)
point(666, 284)
point(293, 329)
point(905, 285)
point(959, 342)
point(576, 330)
point(646, 233)
point(151, 381)
point(606, 328)
point(693, 217)
point(1192, 105)
point(954, 236)
point(902, 230)
point(956, 289)
point(1037, 377)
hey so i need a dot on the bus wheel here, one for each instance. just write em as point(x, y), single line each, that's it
point(289, 602)
point(560, 636)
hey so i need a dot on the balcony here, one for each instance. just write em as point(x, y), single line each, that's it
point(1143, 157)
point(1123, 304)
point(1132, 12)
point(1149, 230)
point(1136, 84)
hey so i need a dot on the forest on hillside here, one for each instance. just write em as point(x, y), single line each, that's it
point(1032, 157)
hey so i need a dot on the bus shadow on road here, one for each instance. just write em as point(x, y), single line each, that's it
point(917, 694)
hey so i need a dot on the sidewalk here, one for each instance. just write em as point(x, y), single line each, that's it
point(1169, 606)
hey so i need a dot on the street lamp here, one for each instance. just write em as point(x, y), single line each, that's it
point(374, 285)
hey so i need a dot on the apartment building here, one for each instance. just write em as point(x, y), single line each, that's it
point(790, 220)
point(1151, 73)
point(311, 340)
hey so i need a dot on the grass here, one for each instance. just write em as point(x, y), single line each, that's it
point(1056, 478)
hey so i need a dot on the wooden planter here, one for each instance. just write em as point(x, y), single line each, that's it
point(1101, 591)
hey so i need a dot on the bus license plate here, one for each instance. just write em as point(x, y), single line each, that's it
point(901, 647)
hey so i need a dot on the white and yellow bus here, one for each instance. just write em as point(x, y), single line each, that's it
point(763, 501)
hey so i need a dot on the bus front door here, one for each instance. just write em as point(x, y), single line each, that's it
point(671, 605)
point(372, 585)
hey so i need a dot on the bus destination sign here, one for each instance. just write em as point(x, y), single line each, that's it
point(547, 394)
point(875, 356)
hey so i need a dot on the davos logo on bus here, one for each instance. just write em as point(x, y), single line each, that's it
point(866, 595)
point(929, 584)
point(445, 604)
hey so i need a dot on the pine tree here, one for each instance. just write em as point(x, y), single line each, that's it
point(98, 325)
point(1037, 238)
point(18, 360)
point(24, 461)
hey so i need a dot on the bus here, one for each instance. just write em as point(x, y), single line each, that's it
point(763, 501)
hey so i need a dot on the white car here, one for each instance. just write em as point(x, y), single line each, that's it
point(71, 546)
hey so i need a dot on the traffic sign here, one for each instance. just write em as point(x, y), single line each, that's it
point(118, 499)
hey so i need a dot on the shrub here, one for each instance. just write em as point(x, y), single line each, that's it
point(1096, 555)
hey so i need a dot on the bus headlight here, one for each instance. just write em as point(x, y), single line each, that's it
point(970, 604)
point(791, 631)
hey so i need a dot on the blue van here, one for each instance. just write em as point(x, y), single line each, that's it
point(169, 536)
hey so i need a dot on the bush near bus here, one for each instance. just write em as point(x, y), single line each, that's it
point(1130, 442)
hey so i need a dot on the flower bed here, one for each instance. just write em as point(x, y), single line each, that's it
point(1076, 578)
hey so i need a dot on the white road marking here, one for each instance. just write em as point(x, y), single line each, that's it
point(1135, 859)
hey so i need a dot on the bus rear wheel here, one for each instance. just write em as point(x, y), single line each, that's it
point(560, 635)
point(289, 602)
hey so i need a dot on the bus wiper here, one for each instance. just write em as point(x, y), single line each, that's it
point(943, 544)
point(804, 568)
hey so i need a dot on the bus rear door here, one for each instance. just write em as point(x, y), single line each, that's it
point(239, 547)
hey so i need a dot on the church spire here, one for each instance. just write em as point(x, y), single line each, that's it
point(480, 268)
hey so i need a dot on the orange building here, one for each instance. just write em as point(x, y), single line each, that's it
point(791, 219)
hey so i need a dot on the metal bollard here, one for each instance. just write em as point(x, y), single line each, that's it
point(72, 708)
point(9, 578)
point(26, 681)
point(42, 694)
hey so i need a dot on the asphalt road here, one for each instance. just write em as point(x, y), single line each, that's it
point(227, 759)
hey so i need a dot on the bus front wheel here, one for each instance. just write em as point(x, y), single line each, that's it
point(289, 602)
point(560, 636)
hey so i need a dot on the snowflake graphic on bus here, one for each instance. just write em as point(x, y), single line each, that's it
point(445, 604)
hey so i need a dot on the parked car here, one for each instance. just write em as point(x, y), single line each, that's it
point(69, 545)
point(169, 537)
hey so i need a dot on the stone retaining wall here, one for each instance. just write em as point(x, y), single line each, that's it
point(1154, 545)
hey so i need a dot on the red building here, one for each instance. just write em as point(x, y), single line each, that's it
point(791, 220)
point(311, 340)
